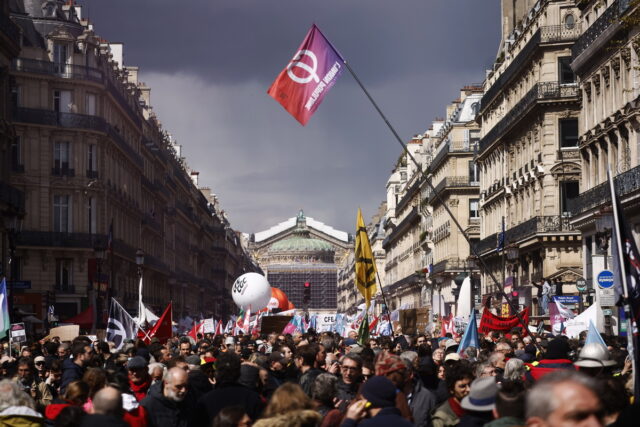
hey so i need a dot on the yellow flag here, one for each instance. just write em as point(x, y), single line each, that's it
point(365, 264)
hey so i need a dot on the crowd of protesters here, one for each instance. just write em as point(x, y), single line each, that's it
point(320, 379)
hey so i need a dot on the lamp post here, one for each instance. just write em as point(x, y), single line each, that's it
point(13, 225)
point(96, 289)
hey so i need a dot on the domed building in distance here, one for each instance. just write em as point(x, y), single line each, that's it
point(302, 250)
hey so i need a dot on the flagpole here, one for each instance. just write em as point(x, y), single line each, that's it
point(623, 273)
point(437, 196)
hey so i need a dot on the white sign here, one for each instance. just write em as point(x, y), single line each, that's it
point(18, 332)
point(209, 326)
point(607, 297)
point(325, 322)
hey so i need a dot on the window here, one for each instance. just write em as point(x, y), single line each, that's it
point(61, 156)
point(474, 172)
point(62, 101)
point(61, 214)
point(90, 104)
point(565, 72)
point(16, 154)
point(60, 58)
point(568, 133)
point(92, 161)
point(92, 213)
point(568, 191)
point(15, 96)
point(474, 208)
point(569, 21)
point(403, 176)
point(64, 274)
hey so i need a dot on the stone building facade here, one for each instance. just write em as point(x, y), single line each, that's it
point(300, 250)
point(529, 158)
point(104, 183)
point(606, 60)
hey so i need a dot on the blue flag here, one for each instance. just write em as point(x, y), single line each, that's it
point(470, 337)
point(593, 335)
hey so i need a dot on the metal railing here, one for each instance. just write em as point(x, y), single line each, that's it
point(452, 182)
point(488, 243)
point(599, 26)
point(560, 33)
point(536, 225)
point(65, 71)
point(449, 264)
point(625, 183)
point(76, 121)
point(58, 239)
point(12, 196)
point(541, 91)
point(452, 147)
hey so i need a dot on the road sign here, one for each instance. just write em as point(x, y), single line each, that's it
point(567, 299)
point(581, 284)
point(607, 297)
point(605, 279)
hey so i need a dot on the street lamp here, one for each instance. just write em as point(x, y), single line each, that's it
point(13, 225)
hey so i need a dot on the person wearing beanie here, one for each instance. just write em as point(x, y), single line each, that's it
point(556, 357)
point(139, 378)
point(377, 409)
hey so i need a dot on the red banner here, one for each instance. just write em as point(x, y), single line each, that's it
point(490, 322)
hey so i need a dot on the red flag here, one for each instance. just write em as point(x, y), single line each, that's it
point(219, 328)
point(304, 82)
point(373, 324)
point(163, 328)
point(198, 328)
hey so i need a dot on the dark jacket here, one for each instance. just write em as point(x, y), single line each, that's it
point(162, 412)
point(99, 420)
point(197, 385)
point(387, 417)
point(421, 402)
point(506, 422)
point(227, 395)
point(70, 372)
point(347, 392)
point(308, 378)
point(475, 419)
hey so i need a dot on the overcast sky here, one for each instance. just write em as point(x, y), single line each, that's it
point(210, 62)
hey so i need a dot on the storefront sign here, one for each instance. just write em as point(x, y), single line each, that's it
point(19, 284)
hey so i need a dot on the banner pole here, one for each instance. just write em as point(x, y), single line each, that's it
point(427, 180)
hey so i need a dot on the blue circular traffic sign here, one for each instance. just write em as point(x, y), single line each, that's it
point(605, 279)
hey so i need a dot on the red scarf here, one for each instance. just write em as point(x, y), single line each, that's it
point(455, 407)
point(140, 390)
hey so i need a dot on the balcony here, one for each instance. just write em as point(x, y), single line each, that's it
point(12, 197)
point(92, 174)
point(560, 33)
point(65, 71)
point(607, 20)
point(451, 182)
point(486, 244)
point(54, 118)
point(451, 147)
point(545, 91)
point(537, 225)
point(449, 264)
point(625, 183)
point(64, 240)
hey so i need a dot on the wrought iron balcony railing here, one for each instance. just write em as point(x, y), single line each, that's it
point(560, 33)
point(58, 239)
point(536, 225)
point(488, 243)
point(600, 25)
point(625, 183)
point(449, 264)
point(452, 182)
point(65, 71)
point(452, 147)
point(539, 92)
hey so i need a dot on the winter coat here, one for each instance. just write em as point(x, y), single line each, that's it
point(347, 392)
point(70, 372)
point(100, 420)
point(444, 416)
point(422, 402)
point(162, 412)
point(197, 385)
point(387, 417)
point(225, 395)
point(20, 416)
point(308, 378)
point(303, 418)
point(506, 422)
point(475, 419)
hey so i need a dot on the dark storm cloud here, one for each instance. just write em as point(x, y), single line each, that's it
point(209, 64)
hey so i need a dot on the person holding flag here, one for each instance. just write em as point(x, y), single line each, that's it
point(365, 274)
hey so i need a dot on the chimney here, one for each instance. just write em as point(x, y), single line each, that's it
point(194, 177)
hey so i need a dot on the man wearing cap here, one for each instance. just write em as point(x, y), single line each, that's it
point(479, 403)
point(139, 378)
point(378, 409)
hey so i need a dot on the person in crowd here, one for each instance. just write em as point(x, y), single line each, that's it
point(509, 407)
point(165, 405)
point(289, 405)
point(514, 369)
point(564, 398)
point(16, 407)
point(232, 416)
point(350, 378)
point(396, 370)
point(39, 363)
point(458, 378)
point(311, 357)
point(421, 401)
point(156, 372)
point(485, 369)
point(30, 384)
point(377, 408)
point(324, 392)
point(139, 378)
point(73, 369)
point(556, 357)
point(227, 392)
point(96, 379)
point(106, 409)
point(479, 403)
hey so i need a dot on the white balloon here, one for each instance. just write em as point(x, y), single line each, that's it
point(251, 290)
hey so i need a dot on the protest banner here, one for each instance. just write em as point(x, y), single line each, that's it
point(490, 322)
point(274, 323)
